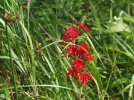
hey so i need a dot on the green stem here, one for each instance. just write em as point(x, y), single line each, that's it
point(131, 88)
point(11, 62)
point(95, 16)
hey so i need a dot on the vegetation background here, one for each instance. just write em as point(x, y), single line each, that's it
point(33, 66)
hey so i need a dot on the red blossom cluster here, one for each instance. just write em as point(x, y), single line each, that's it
point(80, 52)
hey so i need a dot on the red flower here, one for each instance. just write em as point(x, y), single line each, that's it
point(88, 56)
point(70, 49)
point(84, 27)
point(73, 50)
point(80, 51)
point(78, 64)
point(85, 52)
point(83, 48)
point(70, 34)
point(73, 72)
point(84, 77)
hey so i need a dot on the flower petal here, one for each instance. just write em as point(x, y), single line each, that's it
point(78, 64)
point(84, 27)
point(70, 34)
point(88, 56)
point(69, 50)
point(83, 78)
point(69, 73)
point(83, 48)
point(73, 73)
point(89, 76)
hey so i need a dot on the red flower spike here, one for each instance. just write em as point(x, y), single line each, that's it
point(88, 56)
point(78, 64)
point(84, 27)
point(84, 77)
point(81, 51)
point(73, 72)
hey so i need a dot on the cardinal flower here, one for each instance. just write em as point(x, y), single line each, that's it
point(88, 56)
point(73, 72)
point(85, 53)
point(84, 77)
point(73, 50)
point(77, 64)
point(83, 48)
point(70, 34)
point(86, 29)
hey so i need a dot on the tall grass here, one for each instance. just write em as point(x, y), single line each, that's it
point(33, 64)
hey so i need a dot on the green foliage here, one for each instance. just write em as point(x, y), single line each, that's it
point(34, 66)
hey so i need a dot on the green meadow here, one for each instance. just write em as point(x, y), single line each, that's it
point(34, 61)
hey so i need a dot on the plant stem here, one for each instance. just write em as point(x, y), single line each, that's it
point(11, 62)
